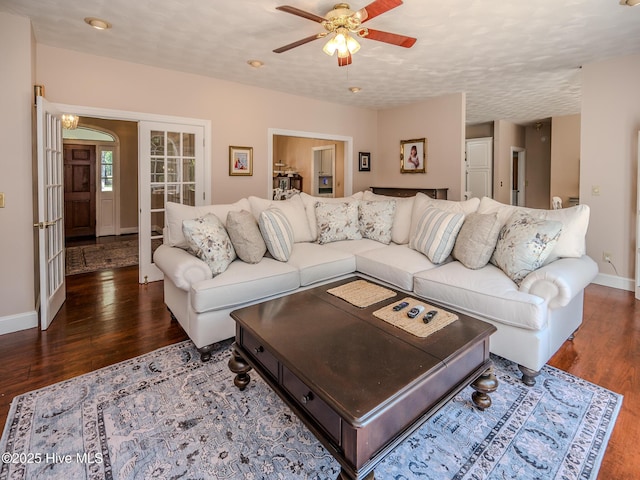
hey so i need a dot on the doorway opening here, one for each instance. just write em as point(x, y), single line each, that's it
point(518, 171)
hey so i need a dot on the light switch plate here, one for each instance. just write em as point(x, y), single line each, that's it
point(1, 200)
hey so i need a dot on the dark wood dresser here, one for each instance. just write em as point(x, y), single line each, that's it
point(439, 193)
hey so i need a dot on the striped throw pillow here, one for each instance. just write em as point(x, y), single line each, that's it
point(277, 233)
point(436, 233)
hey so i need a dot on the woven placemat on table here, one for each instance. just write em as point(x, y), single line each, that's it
point(416, 326)
point(362, 293)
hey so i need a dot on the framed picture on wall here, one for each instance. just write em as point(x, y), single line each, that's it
point(413, 156)
point(364, 164)
point(240, 160)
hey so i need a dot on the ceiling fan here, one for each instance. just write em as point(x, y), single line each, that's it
point(342, 23)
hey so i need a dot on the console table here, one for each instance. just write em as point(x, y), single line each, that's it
point(440, 193)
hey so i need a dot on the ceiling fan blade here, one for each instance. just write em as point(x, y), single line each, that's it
point(344, 61)
point(392, 38)
point(301, 13)
point(378, 7)
point(300, 42)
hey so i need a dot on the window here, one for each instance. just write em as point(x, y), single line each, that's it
point(106, 170)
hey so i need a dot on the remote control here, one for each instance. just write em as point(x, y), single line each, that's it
point(429, 316)
point(415, 311)
point(400, 306)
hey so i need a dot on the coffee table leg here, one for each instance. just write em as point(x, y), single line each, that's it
point(240, 367)
point(483, 386)
point(343, 475)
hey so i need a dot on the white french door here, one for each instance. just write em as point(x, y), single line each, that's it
point(171, 169)
point(51, 254)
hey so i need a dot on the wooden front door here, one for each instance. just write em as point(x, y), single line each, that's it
point(79, 190)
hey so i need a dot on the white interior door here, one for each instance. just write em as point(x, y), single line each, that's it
point(51, 255)
point(106, 190)
point(479, 167)
point(638, 226)
point(171, 169)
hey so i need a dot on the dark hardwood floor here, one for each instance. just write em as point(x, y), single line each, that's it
point(108, 317)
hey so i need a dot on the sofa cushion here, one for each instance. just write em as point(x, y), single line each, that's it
point(243, 283)
point(292, 208)
point(436, 233)
point(524, 243)
point(337, 221)
point(394, 264)
point(401, 219)
point(317, 263)
point(245, 236)
point(484, 293)
point(575, 221)
point(277, 233)
point(208, 240)
point(422, 202)
point(355, 246)
point(309, 202)
point(176, 213)
point(477, 239)
point(375, 219)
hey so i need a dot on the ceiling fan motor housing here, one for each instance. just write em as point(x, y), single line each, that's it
point(342, 17)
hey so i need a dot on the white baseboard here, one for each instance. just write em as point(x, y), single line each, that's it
point(21, 321)
point(128, 230)
point(614, 281)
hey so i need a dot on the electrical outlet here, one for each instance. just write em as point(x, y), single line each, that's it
point(606, 257)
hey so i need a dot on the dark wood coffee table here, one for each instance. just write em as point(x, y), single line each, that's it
point(358, 383)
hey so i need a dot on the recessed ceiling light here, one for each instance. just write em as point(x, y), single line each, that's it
point(255, 63)
point(630, 3)
point(354, 89)
point(97, 23)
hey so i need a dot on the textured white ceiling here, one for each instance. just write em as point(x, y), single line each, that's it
point(517, 60)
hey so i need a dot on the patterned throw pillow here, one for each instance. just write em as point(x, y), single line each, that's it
point(245, 236)
point(277, 233)
point(337, 221)
point(208, 240)
point(477, 239)
point(436, 233)
point(376, 219)
point(524, 244)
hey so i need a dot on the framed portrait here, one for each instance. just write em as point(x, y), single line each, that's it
point(364, 164)
point(240, 160)
point(413, 155)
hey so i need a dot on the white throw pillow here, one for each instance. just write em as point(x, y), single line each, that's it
point(575, 221)
point(208, 240)
point(309, 202)
point(401, 219)
point(422, 202)
point(293, 209)
point(176, 213)
point(337, 221)
point(524, 244)
point(277, 233)
point(436, 234)
point(376, 219)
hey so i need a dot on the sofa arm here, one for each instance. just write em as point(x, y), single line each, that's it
point(182, 268)
point(559, 281)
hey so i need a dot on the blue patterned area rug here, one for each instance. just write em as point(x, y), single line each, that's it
point(167, 415)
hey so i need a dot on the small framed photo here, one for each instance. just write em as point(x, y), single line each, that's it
point(240, 160)
point(413, 156)
point(364, 164)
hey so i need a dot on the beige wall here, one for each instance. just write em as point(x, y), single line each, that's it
point(480, 130)
point(538, 166)
point(239, 114)
point(565, 157)
point(506, 135)
point(609, 156)
point(441, 121)
point(296, 152)
point(17, 292)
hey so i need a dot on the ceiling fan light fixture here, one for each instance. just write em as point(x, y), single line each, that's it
point(330, 47)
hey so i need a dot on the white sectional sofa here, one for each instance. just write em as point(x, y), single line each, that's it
point(534, 314)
